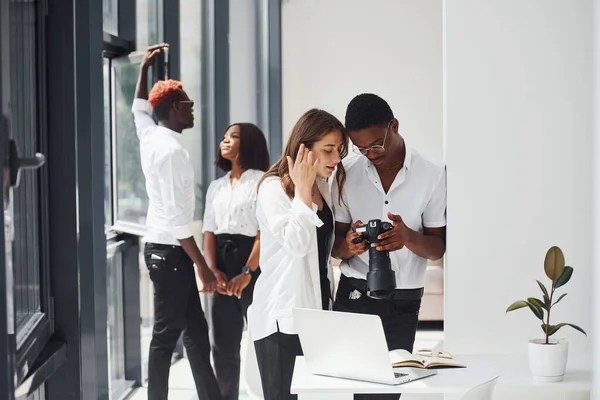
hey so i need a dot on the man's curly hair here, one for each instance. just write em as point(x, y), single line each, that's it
point(163, 95)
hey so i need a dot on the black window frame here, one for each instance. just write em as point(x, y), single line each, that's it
point(32, 354)
point(30, 343)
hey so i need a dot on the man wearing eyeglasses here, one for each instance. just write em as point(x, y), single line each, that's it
point(388, 180)
point(171, 250)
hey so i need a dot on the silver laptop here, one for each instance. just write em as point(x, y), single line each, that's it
point(351, 346)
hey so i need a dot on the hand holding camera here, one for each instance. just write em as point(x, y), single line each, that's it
point(356, 246)
point(393, 239)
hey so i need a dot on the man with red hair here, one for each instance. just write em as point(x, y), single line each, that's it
point(171, 250)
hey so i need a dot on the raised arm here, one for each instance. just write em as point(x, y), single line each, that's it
point(293, 225)
point(142, 112)
point(141, 89)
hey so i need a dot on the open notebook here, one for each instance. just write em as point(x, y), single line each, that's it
point(402, 358)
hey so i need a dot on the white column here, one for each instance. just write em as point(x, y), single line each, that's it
point(596, 211)
point(519, 122)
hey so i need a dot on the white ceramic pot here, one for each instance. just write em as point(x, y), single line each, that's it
point(548, 362)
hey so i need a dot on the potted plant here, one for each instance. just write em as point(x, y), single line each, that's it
point(548, 356)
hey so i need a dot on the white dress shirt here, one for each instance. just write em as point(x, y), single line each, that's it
point(289, 259)
point(232, 210)
point(418, 195)
point(169, 179)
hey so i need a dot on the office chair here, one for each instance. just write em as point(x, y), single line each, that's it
point(481, 392)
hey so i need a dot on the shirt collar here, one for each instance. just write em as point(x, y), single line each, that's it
point(408, 156)
point(172, 133)
point(228, 175)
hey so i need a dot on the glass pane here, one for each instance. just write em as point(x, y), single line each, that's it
point(146, 310)
point(147, 23)
point(24, 116)
point(110, 13)
point(191, 63)
point(39, 394)
point(107, 148)
point(132, 202)
point(115, 323)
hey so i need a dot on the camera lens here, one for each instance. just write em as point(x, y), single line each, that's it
point(381, 279)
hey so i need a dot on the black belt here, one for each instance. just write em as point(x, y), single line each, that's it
point(160, 246)
point(397, 294)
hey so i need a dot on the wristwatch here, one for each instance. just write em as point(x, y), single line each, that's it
point(246, 270)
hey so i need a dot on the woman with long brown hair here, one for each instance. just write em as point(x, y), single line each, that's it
point(296, 219)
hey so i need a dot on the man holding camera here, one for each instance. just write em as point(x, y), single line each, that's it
point(389, 182)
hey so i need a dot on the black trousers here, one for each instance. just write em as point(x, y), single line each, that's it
point(177, 309)
point(399, 317)
point(276, 355)
point(228, 313)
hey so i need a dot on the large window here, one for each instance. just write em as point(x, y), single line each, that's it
point(130, 191)
point(125, 199)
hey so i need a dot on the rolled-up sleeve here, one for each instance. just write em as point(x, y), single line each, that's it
point(142, 116)
point(342, 213)
point(434, 215)
point(174, 194)
point(209, 223)
point(292, 224)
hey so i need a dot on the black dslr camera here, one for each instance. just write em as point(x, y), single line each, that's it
point(381, 279)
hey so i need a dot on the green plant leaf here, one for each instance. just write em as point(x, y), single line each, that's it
point(555, 328)
point(554, 263)
point(564, 278)
point(545, 291)
point(537, 302)
point(537, 311)
point(516, 305)
point(559, 299)
point(550, 327)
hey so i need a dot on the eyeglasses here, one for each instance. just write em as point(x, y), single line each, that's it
point(378, 148)
point(190, 102)
point(430, 353)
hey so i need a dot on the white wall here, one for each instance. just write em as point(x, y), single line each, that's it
point(333, 50)
point(242, 61)
point(519, 157)
point(596, 202)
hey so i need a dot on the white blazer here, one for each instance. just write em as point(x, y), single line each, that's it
point(289, 259)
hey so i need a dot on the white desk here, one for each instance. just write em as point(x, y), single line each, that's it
point(515, 379)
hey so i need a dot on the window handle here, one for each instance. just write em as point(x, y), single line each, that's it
point(16, 163)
